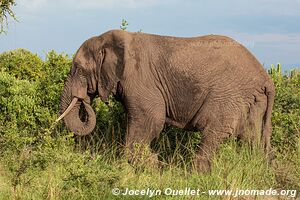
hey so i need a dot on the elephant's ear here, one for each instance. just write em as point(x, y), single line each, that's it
point(111, 70)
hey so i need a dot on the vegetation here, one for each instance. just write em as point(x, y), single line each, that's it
point(41, 160)
point(124, 25)
point(5, 12)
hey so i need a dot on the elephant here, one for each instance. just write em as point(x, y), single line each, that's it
point(210, 83)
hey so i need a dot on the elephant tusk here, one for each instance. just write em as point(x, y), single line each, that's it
point(72, 104)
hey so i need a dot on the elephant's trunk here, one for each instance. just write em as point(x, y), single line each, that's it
point(78, 115)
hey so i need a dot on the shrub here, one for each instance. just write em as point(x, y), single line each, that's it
point(21, 64)
point(54, 72)
point(29, 95)
point(286, 113)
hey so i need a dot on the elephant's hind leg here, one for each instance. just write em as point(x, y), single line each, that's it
point(209, 145)
point(216, 130)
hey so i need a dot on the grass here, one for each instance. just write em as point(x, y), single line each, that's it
point(71, 174)
point(5, 185)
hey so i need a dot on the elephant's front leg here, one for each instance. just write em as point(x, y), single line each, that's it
point(145, 121)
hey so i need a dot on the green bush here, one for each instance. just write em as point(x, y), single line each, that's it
point(286, 113)
point(21, 64)
point(54, 72)
point(29, 95)
point(18, 107)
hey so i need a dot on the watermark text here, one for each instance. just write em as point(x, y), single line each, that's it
point(150, 192)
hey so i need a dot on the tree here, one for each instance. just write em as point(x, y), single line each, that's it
point(5, 12)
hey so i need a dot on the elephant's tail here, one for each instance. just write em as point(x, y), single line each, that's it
point(267, 124)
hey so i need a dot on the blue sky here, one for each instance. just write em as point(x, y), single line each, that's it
point(270, 29)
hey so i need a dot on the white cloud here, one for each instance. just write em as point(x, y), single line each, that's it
point(274, 7)
point(272, 45)
point(270, 38)
point(231, 7)
point(35, 5)
point(254, 7)
point(32, 5)
point(94, 4)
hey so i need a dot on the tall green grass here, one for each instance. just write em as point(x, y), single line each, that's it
point(79, 175)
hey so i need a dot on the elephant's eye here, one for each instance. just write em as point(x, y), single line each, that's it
point(80, 71)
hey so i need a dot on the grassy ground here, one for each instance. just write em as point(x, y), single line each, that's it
point(68, 174)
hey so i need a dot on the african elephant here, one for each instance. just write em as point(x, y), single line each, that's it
point(211, 83)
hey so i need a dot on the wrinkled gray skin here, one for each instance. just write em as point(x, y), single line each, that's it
point(211, 84)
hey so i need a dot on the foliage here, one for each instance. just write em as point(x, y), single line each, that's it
point(286, 114)
point(41, 160)
point(124, 25)
point(29, 92)
point(5, 11)
point(21, 64)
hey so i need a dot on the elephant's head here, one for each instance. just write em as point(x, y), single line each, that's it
point(96, 70)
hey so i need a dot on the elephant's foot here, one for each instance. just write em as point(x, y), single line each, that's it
point(202, 164)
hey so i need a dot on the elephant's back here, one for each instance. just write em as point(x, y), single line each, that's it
point(214, 62)
point(208, 58)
